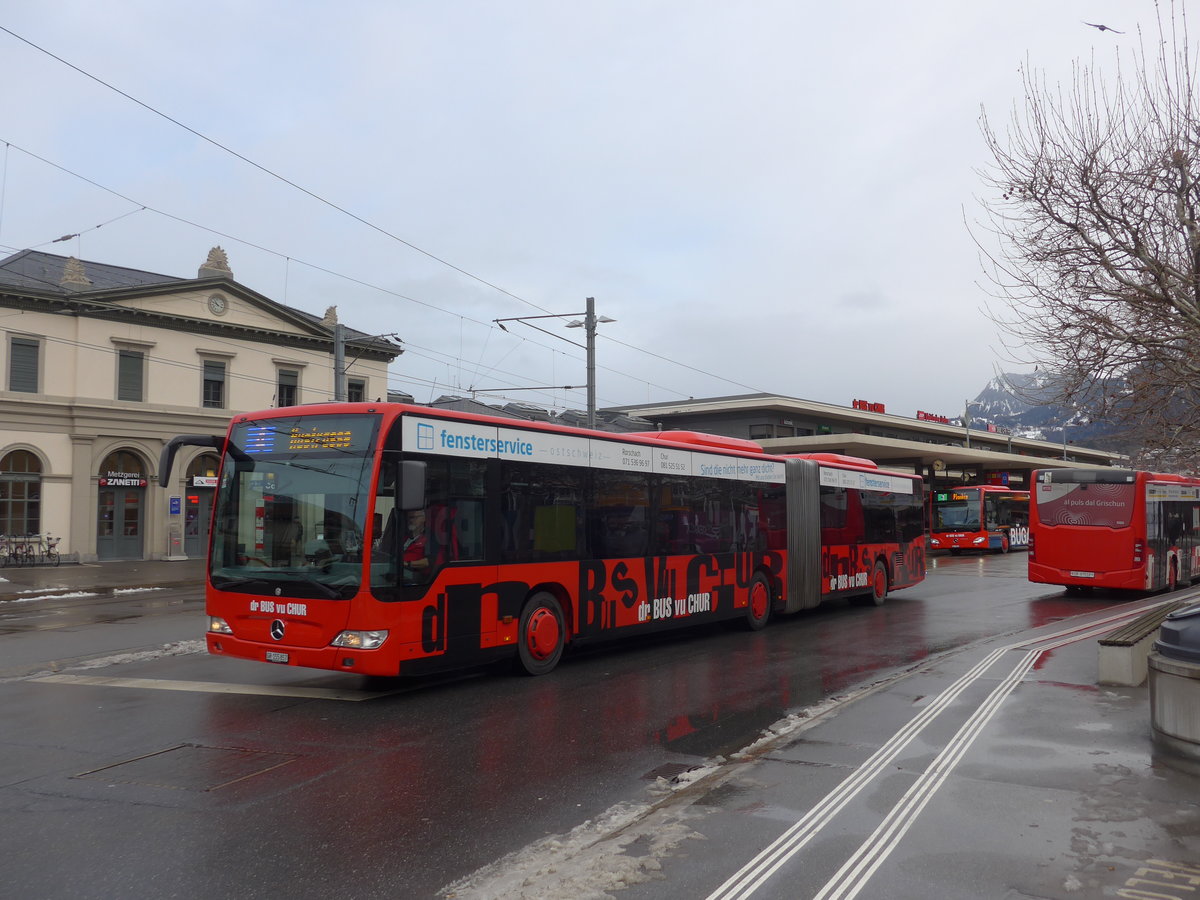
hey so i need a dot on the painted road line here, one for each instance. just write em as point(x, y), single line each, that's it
point(215, 687)
point(854, 874)
point(758, 870)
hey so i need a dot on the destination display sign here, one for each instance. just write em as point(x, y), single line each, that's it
point(304, 435)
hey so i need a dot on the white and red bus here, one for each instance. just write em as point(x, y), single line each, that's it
point(390, 539)
point(979, 517)
point(1114, 528)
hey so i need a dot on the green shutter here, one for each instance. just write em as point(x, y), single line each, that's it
point(130, 367)
point(23, 365)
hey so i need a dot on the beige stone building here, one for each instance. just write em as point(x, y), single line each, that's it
point(100, 365)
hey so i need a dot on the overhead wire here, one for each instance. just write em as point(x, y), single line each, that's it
point(114, 271)
point(270, 172)
point(330, 204)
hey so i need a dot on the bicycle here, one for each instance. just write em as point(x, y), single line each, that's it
point(41, 549)
point(19, 551)
point(52, 554)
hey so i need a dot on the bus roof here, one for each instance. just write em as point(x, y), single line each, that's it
point(1002, 488)
point(690, 439)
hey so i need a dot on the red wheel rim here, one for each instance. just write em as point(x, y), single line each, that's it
point(543, 634)
point(880, 582)
point(759, 598)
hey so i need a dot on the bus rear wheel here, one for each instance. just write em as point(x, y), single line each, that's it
point(879, 583)
point(758, 610)
point(541, 635)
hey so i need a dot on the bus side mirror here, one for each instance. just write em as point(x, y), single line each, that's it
point(166, 458)
point(412, 484)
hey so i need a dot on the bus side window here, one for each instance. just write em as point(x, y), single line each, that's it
point(541, 512)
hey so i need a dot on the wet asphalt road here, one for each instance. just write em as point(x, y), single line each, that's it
point(212, 777)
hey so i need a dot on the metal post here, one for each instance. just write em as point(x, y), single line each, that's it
point(339, 363)
point(967, 422)
point(589, 324)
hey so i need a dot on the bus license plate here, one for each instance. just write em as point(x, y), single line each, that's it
point(1083, 574)
point(273, 656)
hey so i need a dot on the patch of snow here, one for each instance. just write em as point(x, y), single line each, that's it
point(135, 590)
point(176, 648)
point(585, 864)
point(68, 596)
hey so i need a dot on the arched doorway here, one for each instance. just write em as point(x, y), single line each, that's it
point(200, 485)
point(20, 493)
point(121, 513)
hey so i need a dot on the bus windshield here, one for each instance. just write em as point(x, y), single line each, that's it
point(955, 511)
point(292, 505)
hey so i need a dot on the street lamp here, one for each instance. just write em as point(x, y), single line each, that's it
point(967, 421)
point(589, 322)
point(339, 358)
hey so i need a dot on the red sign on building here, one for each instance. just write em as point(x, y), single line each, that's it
point(867, 406)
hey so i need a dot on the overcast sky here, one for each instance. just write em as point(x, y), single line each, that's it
point(765, 195)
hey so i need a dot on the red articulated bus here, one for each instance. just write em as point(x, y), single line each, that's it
point(1114, 528)
point(979, 517)
point(389, 539)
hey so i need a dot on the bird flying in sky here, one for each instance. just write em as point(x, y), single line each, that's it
point(1103, 27)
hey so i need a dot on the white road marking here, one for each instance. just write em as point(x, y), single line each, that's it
point(215, 687)
point(854, 874)
point(758, 870)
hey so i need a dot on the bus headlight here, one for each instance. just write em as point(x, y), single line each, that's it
point(217, 625)
point(935, 542)
point(981, 540)
point(360, 640)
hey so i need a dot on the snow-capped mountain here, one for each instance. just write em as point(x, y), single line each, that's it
point(1023, 404)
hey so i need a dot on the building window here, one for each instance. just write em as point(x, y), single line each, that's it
point(214, 385)
point(131, 373)
point(356, 390)
point(288, 387)
point(23, 364)
point(20, 493)
point(758, 432)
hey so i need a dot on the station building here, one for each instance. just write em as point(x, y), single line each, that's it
point(944, 452)
point(101, 365)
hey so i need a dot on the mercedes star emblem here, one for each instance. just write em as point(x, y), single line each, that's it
point(277, 629)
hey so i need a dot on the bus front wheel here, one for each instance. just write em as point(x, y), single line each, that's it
point(758, 610)
point(542, 634)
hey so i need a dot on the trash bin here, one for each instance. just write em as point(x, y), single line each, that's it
point(1174, 670)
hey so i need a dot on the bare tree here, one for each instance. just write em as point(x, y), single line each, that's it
point(1092, 236)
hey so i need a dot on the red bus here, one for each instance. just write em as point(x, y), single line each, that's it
point(979, 517)
point(1114, 528)
point(390, 539)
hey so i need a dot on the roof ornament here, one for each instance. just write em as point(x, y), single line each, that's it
point(216, 266)
point(330, 318)
point(74, 277)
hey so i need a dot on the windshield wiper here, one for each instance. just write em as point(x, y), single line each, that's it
point(235, 583)
point(321, 586)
